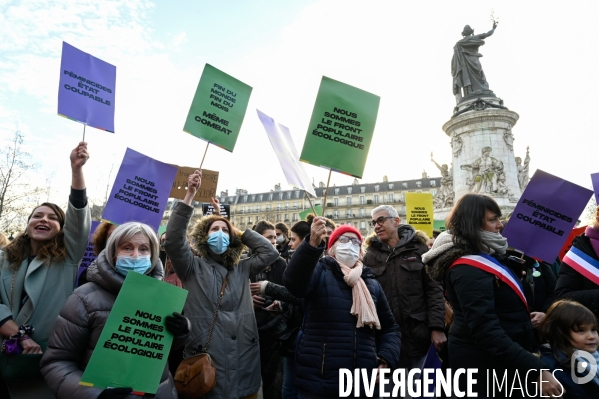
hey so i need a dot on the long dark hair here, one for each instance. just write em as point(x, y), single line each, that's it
point(467, 218)
point(563, 317)
point(53, 250)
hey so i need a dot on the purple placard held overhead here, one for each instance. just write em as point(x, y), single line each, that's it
point(545, 215)
point(595, 179)
point(140, 191)
point(86, 89)
point(89, 256)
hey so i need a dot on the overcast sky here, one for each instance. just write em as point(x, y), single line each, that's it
point(542, 61)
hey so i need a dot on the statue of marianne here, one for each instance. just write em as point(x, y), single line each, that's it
point(466, 69)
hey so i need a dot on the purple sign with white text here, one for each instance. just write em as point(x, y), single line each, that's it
point(545, 215)
point(86, 89)
point(140, 191)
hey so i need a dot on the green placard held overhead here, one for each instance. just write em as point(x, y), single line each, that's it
point(341, 128)
point(134, 344)
point(218, 108)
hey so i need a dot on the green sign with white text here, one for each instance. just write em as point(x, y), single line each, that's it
point(341, 128)
point(134, 344)
point(218, 108)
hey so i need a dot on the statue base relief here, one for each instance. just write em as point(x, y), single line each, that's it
point(483, 158)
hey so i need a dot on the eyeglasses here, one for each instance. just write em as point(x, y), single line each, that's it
point(380, 220)
point(346, 239)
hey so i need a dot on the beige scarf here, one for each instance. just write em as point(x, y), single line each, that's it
point(363, 306)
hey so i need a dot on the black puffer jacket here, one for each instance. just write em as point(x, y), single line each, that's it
point(329, 339)
point(491, 326)
point(575, 286)
point(415, 300)
point(78, 329)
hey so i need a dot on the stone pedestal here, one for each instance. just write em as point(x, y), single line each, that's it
point(478, 126)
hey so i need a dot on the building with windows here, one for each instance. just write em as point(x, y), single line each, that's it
point(344, 204)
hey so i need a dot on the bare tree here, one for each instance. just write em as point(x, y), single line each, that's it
point(15, 192)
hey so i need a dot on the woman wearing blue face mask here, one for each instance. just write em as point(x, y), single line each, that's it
point(234, 341)
point(132, 248)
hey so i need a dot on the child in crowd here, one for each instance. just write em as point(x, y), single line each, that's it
point(570, 327)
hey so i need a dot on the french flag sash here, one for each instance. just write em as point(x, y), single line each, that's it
point(583, 264)
point(491, 265)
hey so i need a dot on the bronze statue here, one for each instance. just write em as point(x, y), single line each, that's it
point(466, 69)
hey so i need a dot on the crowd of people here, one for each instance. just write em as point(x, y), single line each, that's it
point(280, 310)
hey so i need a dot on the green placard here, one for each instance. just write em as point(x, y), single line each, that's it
point(439, 225)
point(341, 128)
point(161, 229)
point(134, 344)
point(304, 214)
point(218, 108)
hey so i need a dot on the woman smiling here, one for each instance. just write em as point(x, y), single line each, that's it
point(38, 270)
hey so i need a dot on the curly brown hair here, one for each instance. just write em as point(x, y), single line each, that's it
point(100, 237)
point(53, 250)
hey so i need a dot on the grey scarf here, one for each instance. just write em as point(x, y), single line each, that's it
point(495, 242)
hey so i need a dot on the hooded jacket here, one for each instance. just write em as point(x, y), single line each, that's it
point(234, 342)
point(329, 339)
point(415, 300)
point(78, 329)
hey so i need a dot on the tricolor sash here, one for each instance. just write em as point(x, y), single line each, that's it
point(491, 265)
point(583, 264)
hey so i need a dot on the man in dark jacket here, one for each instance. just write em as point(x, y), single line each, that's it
point(394, 255)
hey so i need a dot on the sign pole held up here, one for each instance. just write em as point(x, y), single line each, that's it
point(84, 125)
point(204, 157)
point(311, 206)
point(326, 191)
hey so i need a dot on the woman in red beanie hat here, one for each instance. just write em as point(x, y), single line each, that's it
point(347, 322)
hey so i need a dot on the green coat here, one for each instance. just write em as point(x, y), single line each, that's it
point(48, 287)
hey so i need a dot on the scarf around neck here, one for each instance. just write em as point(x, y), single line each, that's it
point(593, 235)
point(494, 241)
point(362, 306)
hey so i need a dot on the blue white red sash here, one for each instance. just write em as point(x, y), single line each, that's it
point(491, 265)
point(583, 264)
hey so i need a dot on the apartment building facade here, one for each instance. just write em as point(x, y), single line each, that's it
point(349, 204)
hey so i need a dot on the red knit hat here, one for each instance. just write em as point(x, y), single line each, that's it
point(344, 228)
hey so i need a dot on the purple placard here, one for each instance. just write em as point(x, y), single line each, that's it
point(89, 255)
point(140, 191)
point(545, 215)
point(86, 88)
point(595, 180)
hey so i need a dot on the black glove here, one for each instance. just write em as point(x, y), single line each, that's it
point(177, 324)
point(115, 393)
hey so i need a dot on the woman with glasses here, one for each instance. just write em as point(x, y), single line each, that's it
point(347, 323)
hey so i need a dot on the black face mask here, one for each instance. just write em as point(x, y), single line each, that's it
point(163, 257)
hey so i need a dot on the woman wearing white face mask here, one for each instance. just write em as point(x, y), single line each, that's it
point(347, 323)
point(233, 344)
point(132, 248)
